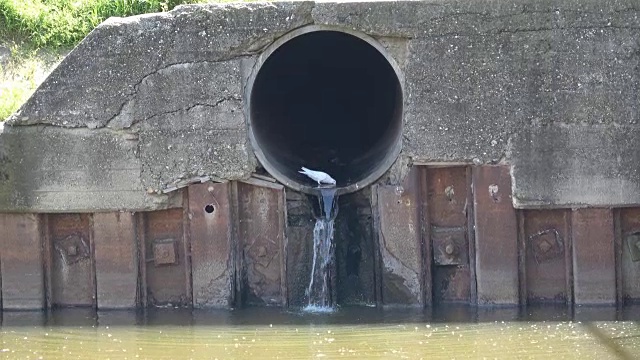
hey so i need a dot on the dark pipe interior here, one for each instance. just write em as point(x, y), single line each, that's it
point(329, 101)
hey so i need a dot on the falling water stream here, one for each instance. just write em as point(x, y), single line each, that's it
point(319, 290)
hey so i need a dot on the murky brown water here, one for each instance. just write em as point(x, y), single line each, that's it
point(350, 333)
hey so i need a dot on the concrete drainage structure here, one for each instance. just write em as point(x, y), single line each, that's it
point(486, 154)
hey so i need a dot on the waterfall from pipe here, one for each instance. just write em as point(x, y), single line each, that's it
point(319, 292)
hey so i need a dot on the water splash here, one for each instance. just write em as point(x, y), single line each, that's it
point(316, 309)
point(319, 291)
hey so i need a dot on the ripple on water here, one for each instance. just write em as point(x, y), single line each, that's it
point(317, 309)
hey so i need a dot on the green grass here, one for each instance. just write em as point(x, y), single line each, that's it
point(39, 32)
point(24, 69)
point(56, 23)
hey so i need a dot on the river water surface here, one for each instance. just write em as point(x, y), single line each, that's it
point(353, 333)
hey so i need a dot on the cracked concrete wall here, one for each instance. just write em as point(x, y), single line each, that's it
point(155, 101)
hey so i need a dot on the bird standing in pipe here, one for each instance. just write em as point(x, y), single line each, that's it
point(318, 176)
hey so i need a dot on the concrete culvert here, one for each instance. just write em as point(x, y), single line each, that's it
point(327, 100)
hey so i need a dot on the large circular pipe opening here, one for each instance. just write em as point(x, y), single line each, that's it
point(326, 100)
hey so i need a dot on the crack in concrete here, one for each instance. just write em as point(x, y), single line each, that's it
point(189, 108)
point(532, 30)
point(132, 94)
point(232, 56)
point(487, 17)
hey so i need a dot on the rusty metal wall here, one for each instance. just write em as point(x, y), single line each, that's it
point(397, 213)
point(448, 234)
point(478, 249)
point(262, 242)
point(177, 257)
point(69, 264)
point(450, 211)
point(21, 262)
point(355, 250)
point(212, 253)
point(165, 266)
point(546, 256)
point(628, 254)
point(496, 236)
point(594, 275)
point(116, 259)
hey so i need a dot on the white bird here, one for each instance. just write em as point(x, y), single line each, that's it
point(319, 176)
